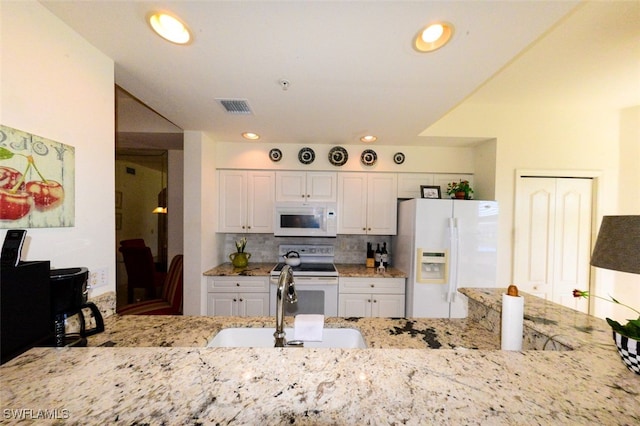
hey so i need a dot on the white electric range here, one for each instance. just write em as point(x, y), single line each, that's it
point(316, 280)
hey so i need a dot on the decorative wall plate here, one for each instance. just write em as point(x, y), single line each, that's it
point(398, 158)
point(338, 156)
point(306, 155)
point(369, 157)
point(275, 154)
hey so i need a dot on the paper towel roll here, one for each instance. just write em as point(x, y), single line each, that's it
point(512, 319)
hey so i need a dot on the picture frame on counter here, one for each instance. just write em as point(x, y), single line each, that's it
point(429, 191)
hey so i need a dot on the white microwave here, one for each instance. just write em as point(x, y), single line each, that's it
point(294, 219)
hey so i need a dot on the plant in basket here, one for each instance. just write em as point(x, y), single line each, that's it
point(617, 249)
point(627, 336)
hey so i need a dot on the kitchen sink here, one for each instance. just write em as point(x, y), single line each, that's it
point(263, 338)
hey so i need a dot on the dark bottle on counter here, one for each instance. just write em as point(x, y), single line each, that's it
point(377, 256)
point(370, 256)
point(384, 256)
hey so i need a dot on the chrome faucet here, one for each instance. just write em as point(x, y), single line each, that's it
point(286, 288)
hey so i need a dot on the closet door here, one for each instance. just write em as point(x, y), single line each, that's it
point(553, 238)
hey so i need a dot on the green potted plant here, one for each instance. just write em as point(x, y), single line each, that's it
point(240, 259)
point(460, 190)
point(627, 337)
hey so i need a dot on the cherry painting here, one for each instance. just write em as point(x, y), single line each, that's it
point(36, 181)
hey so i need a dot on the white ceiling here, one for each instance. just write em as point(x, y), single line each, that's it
point(350, 64)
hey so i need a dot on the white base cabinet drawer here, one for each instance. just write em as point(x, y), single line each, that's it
point(238, 304)
point(371, 297)
point(371, 305)
point(238, 296)
point(372, 285)
point(245, 284)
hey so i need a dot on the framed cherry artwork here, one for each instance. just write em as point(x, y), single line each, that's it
point(37, 181)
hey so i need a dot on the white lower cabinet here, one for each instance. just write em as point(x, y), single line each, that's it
point(371, 297)
point(238, 296)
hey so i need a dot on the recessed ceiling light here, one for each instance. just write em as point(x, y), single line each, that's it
point(251, 136)
point(170, 28)
point(369, 138)
point(433, 37)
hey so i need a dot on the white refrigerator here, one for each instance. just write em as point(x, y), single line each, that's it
point(444, 245)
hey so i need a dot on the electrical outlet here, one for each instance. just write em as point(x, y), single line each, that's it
point(98, 277)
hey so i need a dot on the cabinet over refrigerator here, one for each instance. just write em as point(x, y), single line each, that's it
point(444, 245)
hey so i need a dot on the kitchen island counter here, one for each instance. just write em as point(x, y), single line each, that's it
point(182, 382)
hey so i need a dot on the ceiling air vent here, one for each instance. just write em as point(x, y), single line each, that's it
point(235, 106)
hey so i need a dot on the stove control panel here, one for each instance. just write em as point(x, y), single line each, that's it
point(307, 250)
point(317, 252)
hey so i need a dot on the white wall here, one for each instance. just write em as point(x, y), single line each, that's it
point(201, 245)
point(44, 64)
point(255, 155)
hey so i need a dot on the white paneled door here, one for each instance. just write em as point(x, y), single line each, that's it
point(553, 238)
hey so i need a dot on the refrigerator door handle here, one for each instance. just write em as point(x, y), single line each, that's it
point(453, 271)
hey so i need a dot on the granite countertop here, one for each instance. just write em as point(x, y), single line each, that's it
point(357, 270)
point(254, 269)
point(264, 269)
point(155, 370)
point(196, 331)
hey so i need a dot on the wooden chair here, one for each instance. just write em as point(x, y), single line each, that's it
point(172, 293)
point(141, 271)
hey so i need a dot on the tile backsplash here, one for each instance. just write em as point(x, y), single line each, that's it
point(348, 248)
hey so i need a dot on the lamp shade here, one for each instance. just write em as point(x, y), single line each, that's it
point(618, 244)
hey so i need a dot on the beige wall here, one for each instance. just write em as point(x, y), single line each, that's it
point(43, 66)
point(624, 284)
point(579, 114)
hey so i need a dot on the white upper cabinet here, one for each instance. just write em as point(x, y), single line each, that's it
point(306, 186)
point(246, 201)
point(367, 203)
point(409, 184)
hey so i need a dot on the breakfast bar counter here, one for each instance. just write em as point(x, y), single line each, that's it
point(158, 370)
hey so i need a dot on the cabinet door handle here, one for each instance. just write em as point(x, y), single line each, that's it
point(237, 284)
point(241, 300)
point(369, 229)
point(235, 300)
point(375, 301)
point(364, 229)
point(373, 285)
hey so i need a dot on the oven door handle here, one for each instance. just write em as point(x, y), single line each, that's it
point(319, 280)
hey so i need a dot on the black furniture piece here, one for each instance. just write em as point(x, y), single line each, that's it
point(25, 308)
